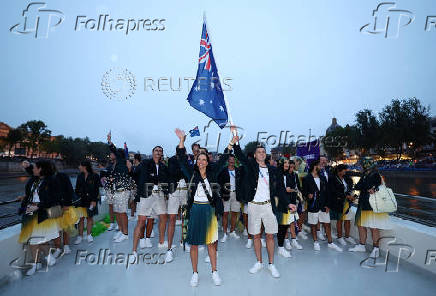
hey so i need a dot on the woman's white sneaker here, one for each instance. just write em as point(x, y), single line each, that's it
point(148, 243)
point(89, 238)
point(169, 257)
point(223, 240)
point(288, 245)
point(216, 278)
point(249, 243)
point(142, 243)
point(316, 246)
point(284, 253)
point(296, 245)
point(78, 240)
point(256, 267)
point(274, 272)
point(121, 238)
point(194, 279)
point(334, 247)
point(67, 249)
point(116, 235)
point(358, 248)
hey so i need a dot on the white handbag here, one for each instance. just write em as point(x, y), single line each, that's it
point(383, 200)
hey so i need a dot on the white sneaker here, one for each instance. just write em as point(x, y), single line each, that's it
point(234, 235)
point(51, 260)
point(89, 238)
point(111, 227)
point(245, 233)
point(67, 249)
point(256, 267)
point(288, 245)
point(148, 243)
point(375, 253)
point(296, 245)
point(116, 235)
point(358, 248)
point(33, 269)
point(262, 241)
point(316, 246)
point(223, 240)
point(350, 240)
point(162, 245)
point(284, 253)
point(178, 222)
point(135, 255)
point(335, 247)
point(216, 278)
point(121, 238)
point(249, 243)
point(274, 272)
point(169, 257)
point(187, 248)
point(142, 243)
point(152, 234)
point(320, 235)
point(78, 240)
point(194, 279)
point(57, 253)
point(302, 235)
point(342, 241)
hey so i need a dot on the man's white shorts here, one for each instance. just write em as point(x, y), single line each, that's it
point(153, 205)
point(261, 214)
point(232, 205)
point(314, 218)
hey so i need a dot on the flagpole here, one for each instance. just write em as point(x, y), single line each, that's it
point(225, 100)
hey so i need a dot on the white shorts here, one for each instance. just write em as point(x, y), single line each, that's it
point(232, 205)
point(153, 205)
point(261, 214)
point(176, 200)
point(314, 218)
point(245, 206)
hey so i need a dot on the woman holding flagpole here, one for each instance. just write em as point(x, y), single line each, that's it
point(203, 205)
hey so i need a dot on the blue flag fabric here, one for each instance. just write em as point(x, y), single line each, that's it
point(206, 94)
point(194, 132)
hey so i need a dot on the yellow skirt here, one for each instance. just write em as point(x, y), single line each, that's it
point(373, 220)
point(69, 218)
point(36, 233)
point(81, 212)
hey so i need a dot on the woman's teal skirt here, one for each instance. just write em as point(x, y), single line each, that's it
point(202, 225)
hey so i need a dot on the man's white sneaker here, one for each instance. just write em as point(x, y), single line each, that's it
point(111, 227)
point(358, 248)
point(288, 245)
point(342, 241)
point(194, 279)
point(142, 243)
point(67, 250)
point(302, 235)
point(121, 238)
point(350, 240)
point(169, 257)
point(296, 245)
point(335, 247)
point(274, 272)
point(375, 253)
point(234, 235)
point(163, 245)
point(245, 233)
point(89, 238)
point(57, 253)
point(262, 241)
point(320, 235)
point(152, 234)
point(116, 235)
point(249, 243)
point(78, 240)
point(256, 267)
point(284, 253)
point(51, 260)
point(316, 246)
point(33, 269)
point(223, 240)
point(216, 278)
point(148, 243)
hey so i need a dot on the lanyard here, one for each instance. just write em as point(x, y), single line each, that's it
point(232, 173)
point(263, 177)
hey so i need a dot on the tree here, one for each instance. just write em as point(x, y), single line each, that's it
point(367, 131)
point(250, 147)
point(35, 133)
point(14, 136)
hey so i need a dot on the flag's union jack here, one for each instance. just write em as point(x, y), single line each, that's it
point(205, 47)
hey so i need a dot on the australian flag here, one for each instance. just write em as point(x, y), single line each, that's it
point(206, 94)
point(195, 132)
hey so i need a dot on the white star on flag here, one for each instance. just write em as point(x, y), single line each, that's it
point(221, 108)
point(201, 102)
point(210, 101)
